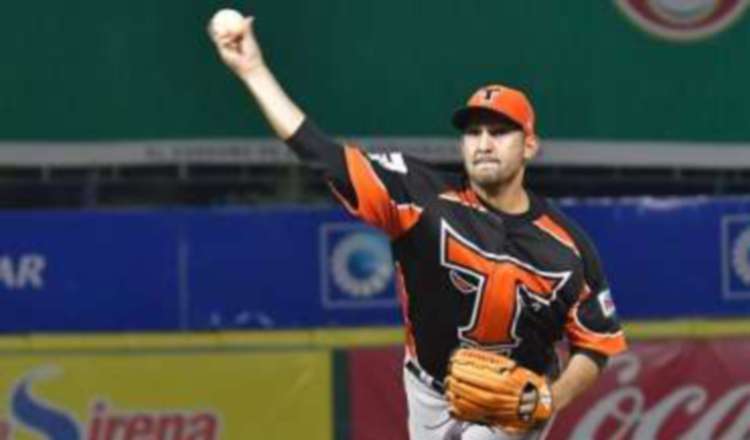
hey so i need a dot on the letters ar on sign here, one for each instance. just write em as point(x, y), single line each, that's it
point(22, 272)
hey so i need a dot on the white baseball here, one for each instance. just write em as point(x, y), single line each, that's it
point(227, 22)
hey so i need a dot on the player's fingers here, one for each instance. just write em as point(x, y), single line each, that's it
point(526, 408)
point(531, 394)
point(227, 46)
point(222, 41)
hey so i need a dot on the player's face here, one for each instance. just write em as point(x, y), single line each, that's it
point(494, 152)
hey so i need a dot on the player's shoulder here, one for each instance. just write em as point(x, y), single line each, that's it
point(573, 231)
point(417, 175)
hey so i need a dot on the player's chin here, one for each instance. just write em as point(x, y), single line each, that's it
point(486, 177)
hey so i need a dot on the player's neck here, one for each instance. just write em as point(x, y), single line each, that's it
point(510, 198)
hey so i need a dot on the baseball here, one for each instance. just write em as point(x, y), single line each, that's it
point(227, 22)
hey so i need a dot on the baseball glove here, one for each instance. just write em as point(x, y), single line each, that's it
point(488, 388)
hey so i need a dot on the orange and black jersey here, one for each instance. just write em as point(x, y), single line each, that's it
point(468, 274)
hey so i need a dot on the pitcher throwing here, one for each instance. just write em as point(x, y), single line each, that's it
point(490, 275)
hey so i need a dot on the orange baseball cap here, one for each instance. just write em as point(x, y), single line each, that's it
point(505, 101)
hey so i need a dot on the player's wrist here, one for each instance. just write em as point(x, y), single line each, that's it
point(560, 395)
point(253, 71)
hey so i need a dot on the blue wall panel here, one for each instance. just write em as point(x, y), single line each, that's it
point(84, 271)
point(287, 267)
point(667, 258)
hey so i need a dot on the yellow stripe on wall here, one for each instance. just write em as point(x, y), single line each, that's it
point(324, 338)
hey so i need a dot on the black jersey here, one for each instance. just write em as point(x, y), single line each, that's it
point(469, 275)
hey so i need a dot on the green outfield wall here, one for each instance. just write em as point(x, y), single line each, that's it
point(91, 70)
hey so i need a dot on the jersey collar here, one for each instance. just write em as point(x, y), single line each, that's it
point(536, 208)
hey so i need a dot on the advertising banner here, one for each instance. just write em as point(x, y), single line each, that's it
point(377, 404)
point(88, 271)
point(318, 267)
point(669, 258)
point(663, 390)
point(165, 394)
point(287, 268)
point(657, 390)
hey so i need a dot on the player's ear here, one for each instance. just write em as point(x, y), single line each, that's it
point(530, 147)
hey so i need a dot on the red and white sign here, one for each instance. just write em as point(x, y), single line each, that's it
point(683, 20)
point(666, 390)
point(657, 390)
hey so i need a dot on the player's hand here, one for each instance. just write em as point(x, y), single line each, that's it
point(529, 400)
point(240, 52)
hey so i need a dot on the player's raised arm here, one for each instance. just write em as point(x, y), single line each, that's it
point(372, 187)
point(235, 41)
point(238, 48)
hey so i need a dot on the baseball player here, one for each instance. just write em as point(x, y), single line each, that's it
point(490, 275)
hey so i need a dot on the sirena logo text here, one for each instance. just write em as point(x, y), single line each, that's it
point(35, 414)
point(108, 424)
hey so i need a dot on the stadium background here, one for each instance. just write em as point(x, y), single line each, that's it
point(167, 269)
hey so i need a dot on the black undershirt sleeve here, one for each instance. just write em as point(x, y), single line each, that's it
point(319, 151)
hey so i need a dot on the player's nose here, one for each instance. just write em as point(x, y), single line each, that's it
point(485, 143)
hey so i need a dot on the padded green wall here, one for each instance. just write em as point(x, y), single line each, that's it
point(138, 69)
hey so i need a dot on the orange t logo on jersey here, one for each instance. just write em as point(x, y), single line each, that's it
point(498, 282)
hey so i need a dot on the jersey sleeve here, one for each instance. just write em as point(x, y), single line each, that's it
point(381, 185)
point(592, 322)
point(382, 189)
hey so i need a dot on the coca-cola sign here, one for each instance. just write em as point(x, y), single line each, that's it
point(688, 390)
point(666, 390)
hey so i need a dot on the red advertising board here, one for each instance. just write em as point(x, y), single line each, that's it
point(696, 389)
point(376, 394)
point(666, 390)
